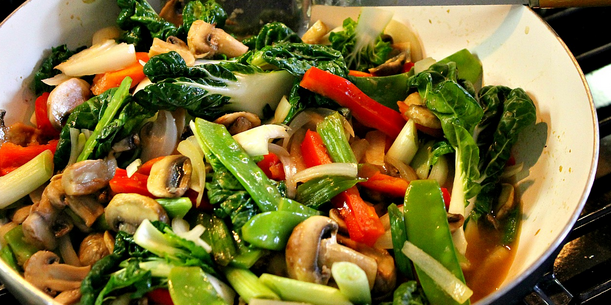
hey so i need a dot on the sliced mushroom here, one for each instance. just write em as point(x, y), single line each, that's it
point(44, 271)
point(237, 122)
point(42, 222)
point(172, 12)
point(93, 248)
point(312, 249)
point(205, 40)
point(68, 297)
point(21, 214)
point(170, 177)
point(172, 44)
point(418, 112)
point(392, 66)
point(64, 98)
point(85, 207)
point(315, 33)
point(386, 276)
point(126, 211)
point(86, 177)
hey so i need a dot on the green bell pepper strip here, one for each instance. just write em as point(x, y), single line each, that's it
point(333, 135)
point(426, 225)
point(318, 191)
point(21, 249)
point(397, 229)
point(290, 205)
point(219, 237)
point(7, 256)
point(217, 140)
point(191, 286)
point(271, 230)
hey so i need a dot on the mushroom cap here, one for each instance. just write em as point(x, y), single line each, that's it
point(64, 98)
point(303, 247)
point(126, 211)
point(93, 248)
point(170, 177)
point(86, 177)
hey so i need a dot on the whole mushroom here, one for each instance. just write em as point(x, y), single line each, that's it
point(64, 98)
point(126, 211)
point(44, 271)
point(312, 249)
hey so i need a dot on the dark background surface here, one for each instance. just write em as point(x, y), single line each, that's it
point(584, 263)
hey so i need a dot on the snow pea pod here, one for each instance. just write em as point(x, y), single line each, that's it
point(426, 225)
point(190, 285)
point(271, 230)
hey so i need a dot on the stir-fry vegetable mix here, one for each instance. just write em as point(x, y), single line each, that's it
point(175, 162)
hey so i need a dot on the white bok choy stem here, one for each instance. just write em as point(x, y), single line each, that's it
point(255, 140)
point(331, 169)
point(99, 58)
point(438, 273)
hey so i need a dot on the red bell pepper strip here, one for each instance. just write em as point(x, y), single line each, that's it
point(357, 73)
point(363, 223)
point(361, 219)
point(407, 67)
point(365, 109)
point(392, 186)
point(121, 183)
point(446, 197)
point(145, 168)
point(160, 296)
point(13, 156)
point(272, 167)
point(105, 81)
point(313, 150)
point(42, 117)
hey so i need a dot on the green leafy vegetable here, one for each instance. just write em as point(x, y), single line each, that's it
point(210, 90)
point(361, 43)
point(272, 33)
point(47, 69)
point(117, 123)
point(141, 23)
point(209, 12)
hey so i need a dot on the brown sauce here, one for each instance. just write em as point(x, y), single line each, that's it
point(489, 261)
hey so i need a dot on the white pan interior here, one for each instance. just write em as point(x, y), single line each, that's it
point(516, 47)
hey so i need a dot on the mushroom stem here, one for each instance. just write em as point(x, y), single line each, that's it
point(334, 253)
point(44, 271)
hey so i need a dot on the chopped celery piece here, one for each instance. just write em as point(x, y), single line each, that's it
point(247, 285)
point(26, 178)
point(352, 282)
point(294, 290)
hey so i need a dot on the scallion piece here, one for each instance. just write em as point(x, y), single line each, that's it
point(294, 290)
point(352, 282)
point(247, 285)
point(26, 178)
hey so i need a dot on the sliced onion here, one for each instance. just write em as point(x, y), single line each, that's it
point(255, 140)
point(296, 124)
point(191, 149)
point(438, 273)
point(66, 249)
point(405, 171)
point(104, 34)
point(224, 291)
point(384, 241)
point(133, 167)
point(56, 80)
point(331, 169)
point(181, 228)
point(385, 219)
point(143, 83)
point(282, 110)
point(359, 147)
point(159, 138)
point(99, 58)
point(289, 168)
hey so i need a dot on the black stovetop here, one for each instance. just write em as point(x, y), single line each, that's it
point(581, 272)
